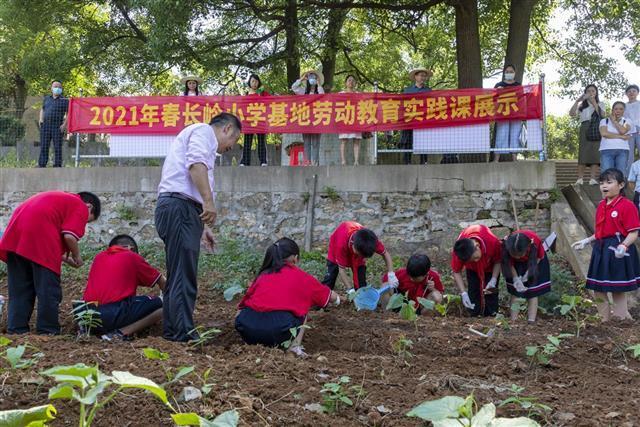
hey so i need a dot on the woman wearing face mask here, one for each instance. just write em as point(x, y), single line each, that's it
point(191, 85)
point(350, 84)
point(614, 147)
point(507, 132)
point(254, 88)
point(310, 83)
point(588, 154)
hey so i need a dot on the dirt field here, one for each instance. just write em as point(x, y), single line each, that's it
point(591, 381)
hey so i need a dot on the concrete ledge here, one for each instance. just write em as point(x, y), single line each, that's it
point(569, 230)
point(526, 175)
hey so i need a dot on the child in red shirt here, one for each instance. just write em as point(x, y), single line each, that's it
point(526, 270)
point(614, 265)
point(280, 298)
point(349, 247)
point(479, 252)
point(43, 232)
point(111, 289)
point(418, 280)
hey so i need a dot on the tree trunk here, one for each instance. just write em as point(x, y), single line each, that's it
point(292, 46)
point(332, 46)
point(519, 24)
point(19, 95)
point(468, 43)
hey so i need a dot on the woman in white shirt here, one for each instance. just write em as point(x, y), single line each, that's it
point(632, 113)
point(350, 84)
point(308, 84)
point(614, 147)
point(588, 154)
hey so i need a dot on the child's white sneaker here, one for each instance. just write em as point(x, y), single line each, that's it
point(593, 182)
point(579, 181)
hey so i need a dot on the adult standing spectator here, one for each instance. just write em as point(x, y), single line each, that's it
point(53, 123)
point(588, 151)
point(186, 211)
point(419, 77)
point(350, 84)
point(254, 85)
point(508, 131)
point(632, 113)
point(310, 83)
point(191, 85)
point(614, 147)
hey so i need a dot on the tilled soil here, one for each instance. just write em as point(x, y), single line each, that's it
point(591, 381)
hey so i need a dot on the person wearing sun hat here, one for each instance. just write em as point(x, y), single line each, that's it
point(419, 77)
point(191, 85)
point(310, 82)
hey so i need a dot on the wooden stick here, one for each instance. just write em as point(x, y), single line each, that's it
point(513, 207)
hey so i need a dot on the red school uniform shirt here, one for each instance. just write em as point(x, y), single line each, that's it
point(619, 216)
point(36, 228)
point(535, 239)
point(490, 246)
point(115, 274)
point(290, 289)
point(341, 248)
point(416, 289)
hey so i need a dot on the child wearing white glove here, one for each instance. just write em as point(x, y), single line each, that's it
point(614, 265)
point(526, 269)
point(417, 280)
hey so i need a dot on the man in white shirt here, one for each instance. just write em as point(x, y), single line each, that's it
point(186, 211)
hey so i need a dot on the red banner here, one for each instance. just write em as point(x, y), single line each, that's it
point(328, 113)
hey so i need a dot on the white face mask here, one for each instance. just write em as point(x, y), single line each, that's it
point(509, 76)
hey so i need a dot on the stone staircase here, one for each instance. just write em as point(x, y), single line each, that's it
point(566, 172)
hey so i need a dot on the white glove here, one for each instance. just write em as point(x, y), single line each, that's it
point(467, 302)
point(351, 291)
point(392, 279)
point(620, 251)
point(337, 300)
point(517, 283)
point(525, 277)
point(580, 245)
point(491, 284)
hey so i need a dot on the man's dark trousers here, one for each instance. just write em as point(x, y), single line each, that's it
point(50, 133)
point(179, 226)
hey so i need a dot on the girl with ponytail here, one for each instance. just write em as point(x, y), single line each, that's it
point(525, 267)
point(280, 298)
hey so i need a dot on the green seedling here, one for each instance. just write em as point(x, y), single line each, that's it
point(448, 301)
point(635, 349)
point(542, 354)
point(529, 404)
point(32, 417)
point(402, 347)
point(205, 336)
point(15, 356)
point(206, 386)
point(155, 354)
point(294, 334)
point(518, 306)
point(576, 308)
point(337, 394)
point(93, 390)
point(226, 419)
point(502, 322)
point(86, 317)
point(331, 193)
point(457, 411)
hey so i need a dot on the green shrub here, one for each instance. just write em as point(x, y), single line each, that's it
point(11, 131)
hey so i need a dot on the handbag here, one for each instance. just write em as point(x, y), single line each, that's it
point(593, 132)
point(522, 139)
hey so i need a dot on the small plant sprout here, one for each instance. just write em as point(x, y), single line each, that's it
point(542, 354)
point(204, 378)
point(87, 318)
point(16, 356)
point(337, 394)
point(448, 301)
point(155, 354)
point(226, 419)
point(402, 347)
point(635, 349)
point(407, 307)
point(86, 385)
point(529, 404)
point(294, 334)
point(502, 322)
point(576, 308)
point(205, 336)
point(452, 411)
point(331, 193)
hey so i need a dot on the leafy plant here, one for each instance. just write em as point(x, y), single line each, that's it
point(337, 394)
point(86, 385)
point(205, 336)
point(86, 317)
point(15, 356)
point(542, 353)
point(294, 334)
point(636, 350)
point(126, 213)
point(402, 347)
point(32, 417)
point(502, 322)
point(226, 419)
point(206, 386)
point(448, 301)
point(451, 411)
point(331, 193)
point(155, 354)
point(528, 404)
point(407, 307)
point(576, 308)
